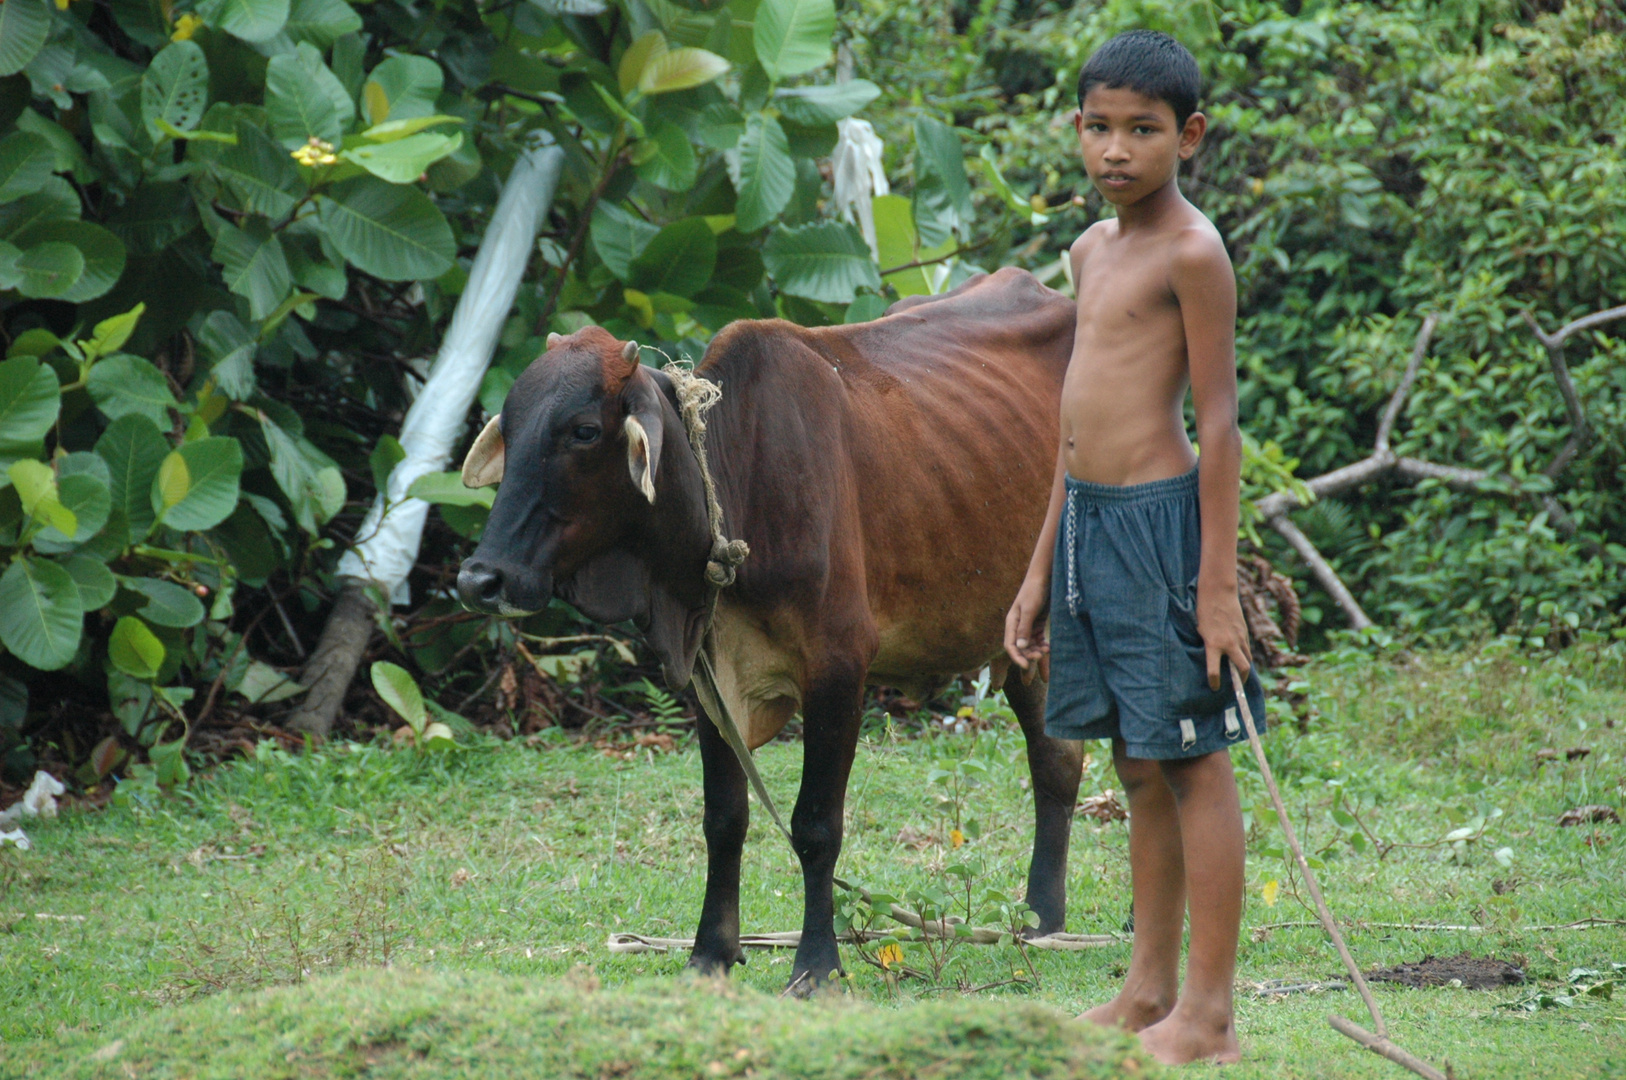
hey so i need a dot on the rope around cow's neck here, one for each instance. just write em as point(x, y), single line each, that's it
point(695, 396)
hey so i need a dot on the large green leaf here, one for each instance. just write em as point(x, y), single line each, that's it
point(619, 237)
point(24, 26)
point(304, 100)
point(942, 199)
point(96, 582)
point(816, 105)
point(310, 479)
point(793, 36)
point(388, 230)
point(402, 161)
point(102, 251)
point(48, 270)
point(321, 22)
point(826, 261)
point(134, 649)
point(669, 160)
point(253, 265)
point(232, 348)
point(898, 245)
point(168, 604)
point(133, 448)
point(55, 200)
point(258, 172)
point(196, 486)
point(122, 385)
point(679, 260)
point(763, 173)
point(41, 614)
point(251, 20)
point(175, 89)
point(680, 69)
point(156, 216)
point(448, 489)
point(25, 164)
point(400, 692)
point(29, 400)
point(403, 87)
point(82, 487)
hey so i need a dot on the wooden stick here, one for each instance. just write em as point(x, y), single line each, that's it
point(1378, 1043)
point(1383, 1047)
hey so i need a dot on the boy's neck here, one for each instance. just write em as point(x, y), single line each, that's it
point(1153, 209)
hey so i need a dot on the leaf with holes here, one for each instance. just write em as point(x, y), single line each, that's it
point(175, 88)
point(41, 614)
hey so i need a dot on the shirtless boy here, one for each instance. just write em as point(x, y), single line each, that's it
point(1136, 564)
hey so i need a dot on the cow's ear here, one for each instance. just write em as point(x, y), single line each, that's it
point(644, 429)
point(483, 465)
point(554, 339)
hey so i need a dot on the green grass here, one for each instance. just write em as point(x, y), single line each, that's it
point(494, 871)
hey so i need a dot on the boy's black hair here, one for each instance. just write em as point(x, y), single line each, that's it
point(1151, 64)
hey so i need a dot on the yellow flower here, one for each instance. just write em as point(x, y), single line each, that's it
point(62, 5)
point(315, 152)
point(1272, 887)
point(185, 27)
point(1258, 186)
point(889, 955)
point(956, 838)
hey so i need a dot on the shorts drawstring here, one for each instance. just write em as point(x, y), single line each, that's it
point(1072, 554)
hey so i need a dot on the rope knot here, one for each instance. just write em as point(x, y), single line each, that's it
point(695, 396)
point(726, 555)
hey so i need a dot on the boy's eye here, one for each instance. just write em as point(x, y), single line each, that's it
point(1142, 129)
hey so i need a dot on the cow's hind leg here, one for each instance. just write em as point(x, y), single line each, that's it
point(727, 815)
point(830, 713)
point(1055, 765)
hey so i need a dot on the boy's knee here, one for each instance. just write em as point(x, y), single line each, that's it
point(1136, 774)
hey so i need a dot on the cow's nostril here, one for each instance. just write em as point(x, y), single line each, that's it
point(480, 586)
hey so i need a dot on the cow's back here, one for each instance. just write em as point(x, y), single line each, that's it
point(912, 454)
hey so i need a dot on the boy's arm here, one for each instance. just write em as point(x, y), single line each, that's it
point(1024, 641)
point(1205, 286)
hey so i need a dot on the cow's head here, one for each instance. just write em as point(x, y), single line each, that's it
point(578, 450)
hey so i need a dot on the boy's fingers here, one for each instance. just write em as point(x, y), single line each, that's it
point(1213, 667)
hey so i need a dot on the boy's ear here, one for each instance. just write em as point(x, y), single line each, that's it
point(1191, 136)
point(1078, 122)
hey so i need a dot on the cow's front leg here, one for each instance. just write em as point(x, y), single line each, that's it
point(1055, 765)
point(830, 713)
point(727, 815)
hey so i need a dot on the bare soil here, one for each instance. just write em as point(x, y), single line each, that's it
point(1475, 973)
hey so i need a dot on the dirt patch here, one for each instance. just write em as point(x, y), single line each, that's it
point(1473, 972)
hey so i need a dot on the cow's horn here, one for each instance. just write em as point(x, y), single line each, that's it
point(484, 464)
point(629, 353)
point(554, 339)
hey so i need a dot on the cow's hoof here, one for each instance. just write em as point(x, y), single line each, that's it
point(712, 964)
point(805, 984)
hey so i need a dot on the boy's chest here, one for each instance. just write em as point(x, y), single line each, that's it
point(1123, 289)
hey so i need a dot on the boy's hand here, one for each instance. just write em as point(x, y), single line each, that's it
point(1024, 628)
point(1224, 632)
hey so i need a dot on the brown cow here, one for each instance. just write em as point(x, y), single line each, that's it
point(889, 477)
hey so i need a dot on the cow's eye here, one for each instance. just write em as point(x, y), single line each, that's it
point(585, 433)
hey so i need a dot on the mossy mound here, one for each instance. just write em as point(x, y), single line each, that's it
point(431, 1024)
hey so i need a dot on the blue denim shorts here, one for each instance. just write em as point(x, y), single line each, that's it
point(1126, 661)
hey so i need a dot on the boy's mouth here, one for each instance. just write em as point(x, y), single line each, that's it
point(1116, 179)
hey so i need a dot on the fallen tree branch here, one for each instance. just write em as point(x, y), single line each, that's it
point(1323, 571)
point(1591, 923)
point(790, 939)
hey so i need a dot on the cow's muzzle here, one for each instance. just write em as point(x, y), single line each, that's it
point(490, 590)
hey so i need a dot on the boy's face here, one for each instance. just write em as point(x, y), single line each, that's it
point(1131, 144)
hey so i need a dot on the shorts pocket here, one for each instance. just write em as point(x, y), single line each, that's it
point(1185, 663)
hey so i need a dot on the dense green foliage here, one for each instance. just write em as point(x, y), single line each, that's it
point(1368, 163)
point(225, 231)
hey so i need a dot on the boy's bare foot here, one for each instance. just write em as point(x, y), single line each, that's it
point(1127, 1011)
point(1180, 1038)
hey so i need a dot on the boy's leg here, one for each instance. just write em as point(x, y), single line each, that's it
point(1157, 871)
point(1202, 1026)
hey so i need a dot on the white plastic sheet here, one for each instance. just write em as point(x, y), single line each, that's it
point(858, 176)
point(388, 542)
